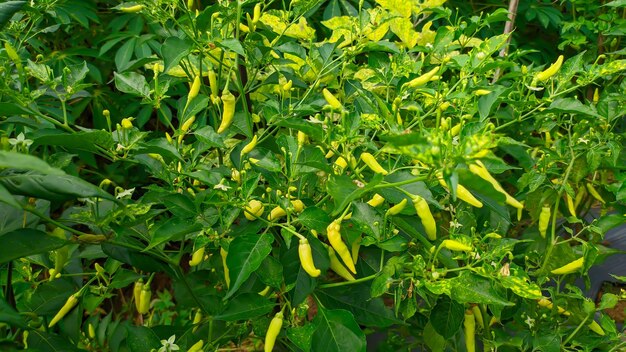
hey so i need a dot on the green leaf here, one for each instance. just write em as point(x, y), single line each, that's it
point(173, 50)
point(132, 83)
point(337, 331)
point(344, 191)
point(11, 317)
point(314, 218)
point(171, 230)
point(198, 104)
point(208, 136)
point(301, 336)
point(246, 306)
point(19, 161)
point(132, 257)
point(435, 341)
point(447, 317)
point(608, 301)
point(471, 288)
point(245, 255)
point(7, 9)
point(141, 339)
point(24, 242)
point(88, 140)
point(614, 3)
point(51, 187)
point(572, 105)
point(7, 198)
point(234, 45)
point(314, 131)
point(357, 299)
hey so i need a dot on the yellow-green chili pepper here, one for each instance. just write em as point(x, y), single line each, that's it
point(228, 111)
point(376, 200)
point(550, 71)
point(373, 164)
point(469, 325)
point(250, 146)
point(428, 221)
point(197, 257)
point(306, 258)
point(224, 254)
point(481, 171)
point(334, 237)
point(544, 220)
point(396, 208)
point(69, 304)
point(456, 246)
point(272, 332)
point(421, 80)
point(569, 268)
point(331, 100)
point(337, 267)
point(253, 210)
point(595, 193)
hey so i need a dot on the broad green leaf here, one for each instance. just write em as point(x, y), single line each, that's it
point(7, 9)
point(519, 283)
point(87, 140)
point(42, 341)
point(24, 242)
point(337, 331)
point(435, 341)
point(314, 131)
point(245, 255)
point(608, 301)
point(447, 317)
point(301, 336)
point(357, 299)
point(7, 198)
point(173, 50)
point(124, 54)
point(51, 187)
point(208, 136)
point(11, 317)
point(141, 339)
point(271, 272)
point(246, 306)
point(10, 109)
point(471, 288)
point(344, 191)
point(171, 230)
point(232, 44)
point(572, 105)
point(134, 258)
point(314, 218)
point(19, 161)
point(132, 83)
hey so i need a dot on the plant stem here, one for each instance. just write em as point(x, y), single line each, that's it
point(345, 283)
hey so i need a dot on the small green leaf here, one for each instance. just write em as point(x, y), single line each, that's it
point(24, 242)
point(337, 331)
point(447, 317)
point(245, 255)
point(173, 50)
point(246, 306)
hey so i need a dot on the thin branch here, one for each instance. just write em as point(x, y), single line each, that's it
point(508, 28)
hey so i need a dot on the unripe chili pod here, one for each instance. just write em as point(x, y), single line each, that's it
point(373, 164)
point(196, 347)
point(478, 315)
point(137, 293)
point(595, 193)
point(197, 257)
point(481, 171)
point(132, 9)
point(195, 89)
point(250, 146)
point(481, 92)
point(341, 162)
point(462, 193)
point(469, 324)
point(302, 138)
point(215, 91)
point(276, 213)
point(596, 95)
point(69, 304)
point(595, 327)
point(13, 55)
point(570, 205)
point(127, 123)
point(228, 111)
point(376, 200)
point(144, 300)
point(426, 217)
point(356, 245)
point(91, 331)
point(396, 208)
point(273, 331)
point(306, 258)
point(298, 205)
point(224, 254)
point(185, 127)
point(544, 220)
point(334, 237)
point(550, 71)
point(570, 267)
point(331, 100)
point(253, 210)
point(337, 267)
point(197, 318)
point(421, 80)
point(256, 13)
point(456, 246)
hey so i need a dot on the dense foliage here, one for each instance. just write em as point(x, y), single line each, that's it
point(306, 174)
